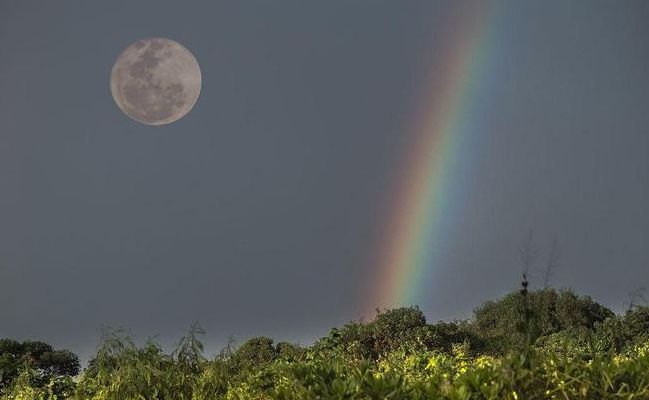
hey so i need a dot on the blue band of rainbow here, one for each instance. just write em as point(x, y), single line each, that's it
point(428, 189)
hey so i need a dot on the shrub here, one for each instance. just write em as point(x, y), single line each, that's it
point(551, 312)
point(42, 358)
point(254, 353)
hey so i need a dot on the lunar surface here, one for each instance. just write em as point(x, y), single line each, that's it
point(155, 81)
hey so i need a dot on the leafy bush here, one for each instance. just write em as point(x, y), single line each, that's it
point(41, 358)
point(552, 311)
point(582, 352)
point(636, 325)
point(254, 353)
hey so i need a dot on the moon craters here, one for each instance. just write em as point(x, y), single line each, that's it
point(156, 81)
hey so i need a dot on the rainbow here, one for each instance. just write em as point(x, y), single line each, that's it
point(429, 183)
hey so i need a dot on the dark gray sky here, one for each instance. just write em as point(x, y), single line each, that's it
point(258, 212)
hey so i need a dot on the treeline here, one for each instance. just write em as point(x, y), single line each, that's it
point(499, 327)
point(540, 344)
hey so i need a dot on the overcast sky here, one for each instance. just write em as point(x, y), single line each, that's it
point(257, 213)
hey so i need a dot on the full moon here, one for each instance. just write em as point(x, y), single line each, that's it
point(155, 81)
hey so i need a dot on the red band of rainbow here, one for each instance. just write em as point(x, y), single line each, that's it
point(426, 192)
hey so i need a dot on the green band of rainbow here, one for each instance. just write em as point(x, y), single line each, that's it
point(428, 191)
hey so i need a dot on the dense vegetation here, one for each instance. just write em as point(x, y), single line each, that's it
point(545, 344)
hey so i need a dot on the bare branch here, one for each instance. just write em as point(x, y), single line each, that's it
point(553, 261)
point(637, 298)
point(528, 252)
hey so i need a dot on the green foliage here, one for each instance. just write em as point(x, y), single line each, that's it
point(353, 342)
point(576, 343)
point(121, 370)
point(551, 312)
point(443, 336)
point(636, 325)
point(46, 362)
point(290, 352)
point(254, 353)
point(189, 350)
point(582, 351)
point(390, 330)
point(27, 386)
